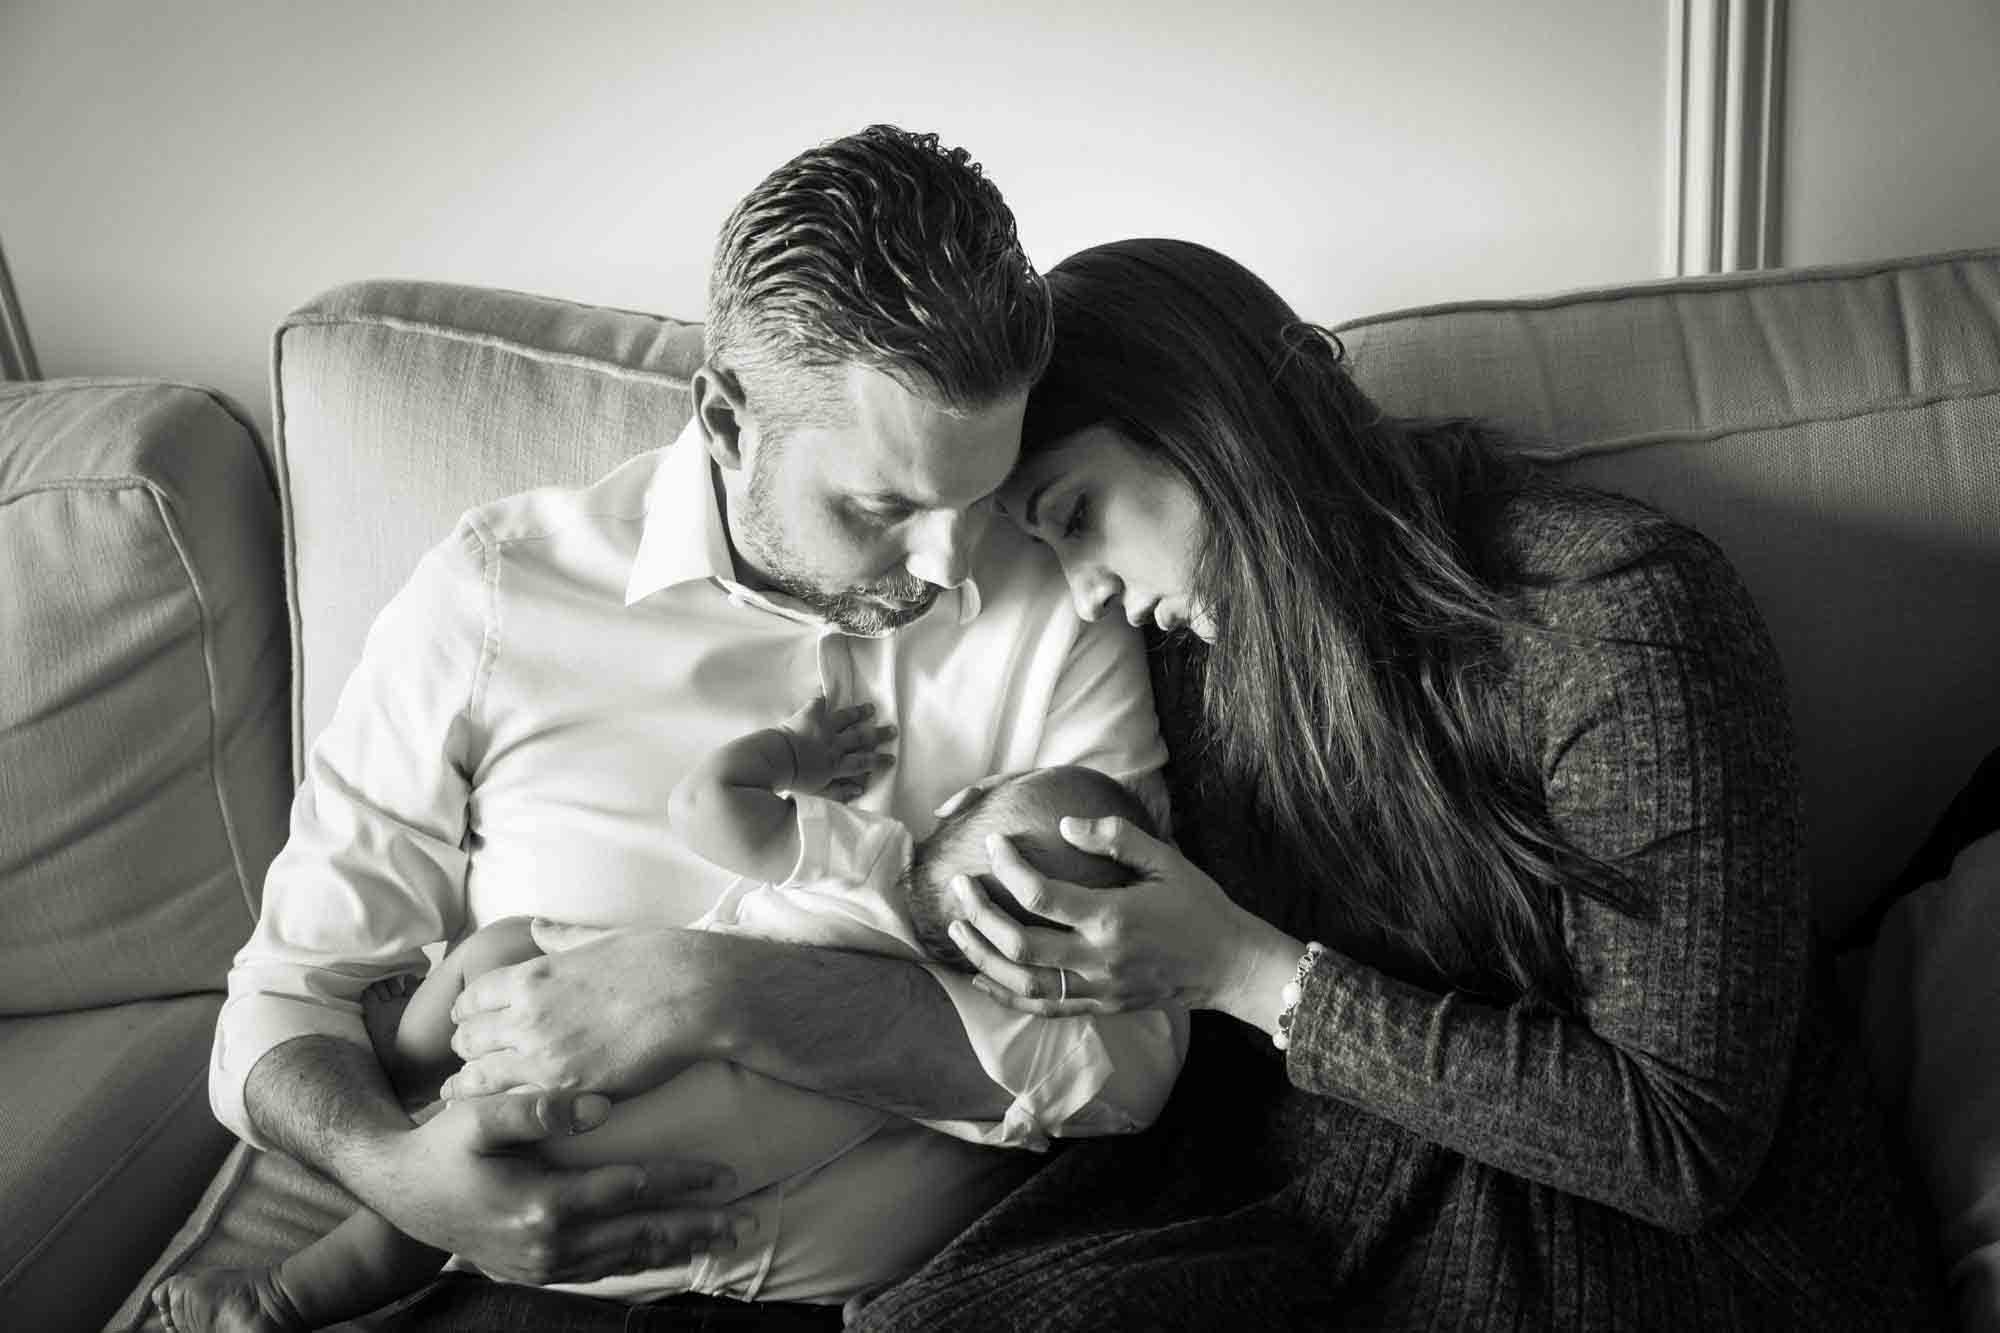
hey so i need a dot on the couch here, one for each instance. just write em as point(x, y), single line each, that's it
point(1835, 430)
point(144, 766)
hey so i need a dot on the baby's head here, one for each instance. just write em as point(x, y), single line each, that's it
point(1026, 808)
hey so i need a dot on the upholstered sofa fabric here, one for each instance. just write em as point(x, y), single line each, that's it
point(142, 698)
point(259, 1208)
point(1833, 429)
point(1837, 431)
point(106, 1140)
point(143, 789)
point(402, 404)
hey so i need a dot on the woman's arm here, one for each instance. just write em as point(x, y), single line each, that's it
point(1667, 750)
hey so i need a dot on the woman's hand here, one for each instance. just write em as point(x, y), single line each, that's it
point(618, 1013)
point(1172, 937)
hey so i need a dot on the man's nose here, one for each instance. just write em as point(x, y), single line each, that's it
point(941, 546)
point(1093, 590)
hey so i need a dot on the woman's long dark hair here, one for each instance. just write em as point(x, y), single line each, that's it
point(1360, 586)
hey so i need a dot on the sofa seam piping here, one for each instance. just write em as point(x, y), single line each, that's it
point(1566, 453)
point(208, 629)
point(527, 351)
point(282, 460)
point(1749, 280)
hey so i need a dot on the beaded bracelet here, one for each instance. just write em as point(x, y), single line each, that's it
point(1289, 996)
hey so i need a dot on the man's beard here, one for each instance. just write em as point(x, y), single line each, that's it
point(870, 609)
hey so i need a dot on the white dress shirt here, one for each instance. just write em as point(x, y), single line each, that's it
point(785, 1144)
point(524, 706)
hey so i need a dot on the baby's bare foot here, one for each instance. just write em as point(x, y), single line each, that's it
point(226, 1300)
point(382, 1006)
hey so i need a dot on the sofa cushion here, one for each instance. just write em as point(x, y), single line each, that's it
point(105, 1137)
point(1837, 432)
point(143, 774)
point(1933, 1047)
point(402, 404)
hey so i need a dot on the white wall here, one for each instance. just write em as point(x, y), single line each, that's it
point(175, 176)
point(1893, 142)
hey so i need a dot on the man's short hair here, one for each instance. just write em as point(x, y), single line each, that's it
point(884, 249)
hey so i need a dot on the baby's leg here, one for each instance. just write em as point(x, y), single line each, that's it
point(360, 1265)
point(412, 1031)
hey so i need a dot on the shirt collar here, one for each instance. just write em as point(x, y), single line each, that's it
point(684, 538)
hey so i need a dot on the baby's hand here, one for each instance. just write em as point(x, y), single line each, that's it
point(835, 753)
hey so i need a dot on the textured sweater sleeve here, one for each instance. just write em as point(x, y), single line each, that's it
point(1659, 711)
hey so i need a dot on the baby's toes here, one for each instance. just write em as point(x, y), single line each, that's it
point(390, 989)
point(165, 1307)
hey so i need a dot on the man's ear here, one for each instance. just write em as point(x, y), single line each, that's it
point(719, 407)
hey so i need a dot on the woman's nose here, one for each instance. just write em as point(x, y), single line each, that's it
point(1093, 591)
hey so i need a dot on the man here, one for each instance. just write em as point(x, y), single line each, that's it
point(525, 704)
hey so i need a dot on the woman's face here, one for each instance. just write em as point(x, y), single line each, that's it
point(1125, 530)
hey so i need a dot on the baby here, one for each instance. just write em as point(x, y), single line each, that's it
point(769, 806)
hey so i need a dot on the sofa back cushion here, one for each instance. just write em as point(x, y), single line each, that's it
point(402, 404)
point(1834, 430)
point(143, 783)
point(1837, 432)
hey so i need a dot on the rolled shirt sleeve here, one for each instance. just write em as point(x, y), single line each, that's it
point(1079, 1077)
point(375, 866)
point(1102, 1073)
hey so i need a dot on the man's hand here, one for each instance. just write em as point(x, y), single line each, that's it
point(623, 1012)
point(468, 1181)
point(471, 1180)
point(619, 1014)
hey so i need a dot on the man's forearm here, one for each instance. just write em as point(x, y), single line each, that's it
point(326, 1102)
point(870, 1029)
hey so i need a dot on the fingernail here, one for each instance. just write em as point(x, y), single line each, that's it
point(985, 987)
point(589, 1112)
point(448, 1090)
point(1070, 826)
point(958, 932)
point(992, 844)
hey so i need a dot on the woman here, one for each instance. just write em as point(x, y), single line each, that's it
point(1493, 884)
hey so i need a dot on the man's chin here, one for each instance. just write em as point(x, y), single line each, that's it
point(887, 613)
point(869, 613)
